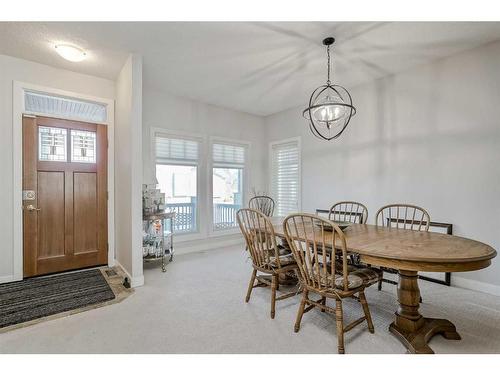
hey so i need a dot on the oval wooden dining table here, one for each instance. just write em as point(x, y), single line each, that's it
point(409, 252)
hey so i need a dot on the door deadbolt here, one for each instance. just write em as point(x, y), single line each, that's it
point(29, 195)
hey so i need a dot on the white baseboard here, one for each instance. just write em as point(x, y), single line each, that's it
point(137, 281)
point(206, 244)
point(7, 279)
point(479, 286)
point(134, 281)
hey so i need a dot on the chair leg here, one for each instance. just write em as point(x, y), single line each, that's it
point(323, 302)
point(250, 285)
point(366, 309)
point(380, 282)
point(274, 283)
point(301, 311)
point(339, 316)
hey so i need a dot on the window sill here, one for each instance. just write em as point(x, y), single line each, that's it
point(224, 232)
point(185, 237)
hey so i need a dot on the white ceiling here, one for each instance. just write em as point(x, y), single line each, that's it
point(259, 68)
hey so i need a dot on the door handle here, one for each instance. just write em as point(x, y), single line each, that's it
point(30, 208)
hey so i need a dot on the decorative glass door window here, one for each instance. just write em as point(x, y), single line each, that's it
point(52, 144)
point(83, 146)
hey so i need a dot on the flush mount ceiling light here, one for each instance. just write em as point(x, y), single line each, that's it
point(70, 53)
point(330, 106)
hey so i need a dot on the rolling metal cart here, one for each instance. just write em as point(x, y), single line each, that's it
point(157, 241)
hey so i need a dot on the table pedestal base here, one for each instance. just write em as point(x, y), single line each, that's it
point(416, 342)
point(410, 327)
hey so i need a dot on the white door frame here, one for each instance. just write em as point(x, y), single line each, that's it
point(18, 109)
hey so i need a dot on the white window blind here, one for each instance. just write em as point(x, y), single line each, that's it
point(170, 150)
point(39, 103)
point(285, 184)
point(226, 155)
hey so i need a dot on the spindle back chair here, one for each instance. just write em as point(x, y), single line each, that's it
point(349, 211)
point(312, 239)
point(260, 239)
point(262, 203)
point(402, 216)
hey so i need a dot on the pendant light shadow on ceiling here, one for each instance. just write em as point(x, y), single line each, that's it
point(330, 106)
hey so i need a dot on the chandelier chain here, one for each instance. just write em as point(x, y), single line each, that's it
point(328, 63)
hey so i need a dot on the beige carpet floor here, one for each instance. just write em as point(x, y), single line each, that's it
point(197, 306)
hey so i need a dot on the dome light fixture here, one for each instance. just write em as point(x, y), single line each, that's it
point(330, 106)
point(70, 53)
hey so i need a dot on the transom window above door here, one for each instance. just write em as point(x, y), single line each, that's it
point(61, 107)
point(53, 145)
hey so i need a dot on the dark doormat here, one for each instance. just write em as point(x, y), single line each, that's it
point(22, 301)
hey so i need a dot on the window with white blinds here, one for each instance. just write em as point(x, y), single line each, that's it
point(226, 155)
point(228, 165)
point(170, 150)
point(177, 162)
point(285, 178)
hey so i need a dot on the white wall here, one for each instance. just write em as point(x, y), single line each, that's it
point(13, 69)
point(128, 169)
point(163, 110)
point(429, 136)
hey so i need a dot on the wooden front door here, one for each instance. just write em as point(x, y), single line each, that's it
point(65, 223)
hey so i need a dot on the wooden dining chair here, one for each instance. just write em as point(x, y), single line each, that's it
point(267, 263)
point(352, 212)
point(403, 216)
point(262, 203)
point(311, 239)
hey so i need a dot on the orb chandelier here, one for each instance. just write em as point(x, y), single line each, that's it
point(330, 106)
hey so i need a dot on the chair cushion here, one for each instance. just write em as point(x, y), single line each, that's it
point(283, 250)
point(340, 269)
point(284, 260)
point(355, 279)
point(369, 275)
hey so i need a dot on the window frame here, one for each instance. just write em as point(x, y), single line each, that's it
point(212, 231)
point(200, 165)
point(270, 166)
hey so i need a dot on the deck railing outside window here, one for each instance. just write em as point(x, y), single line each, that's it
point(185, 216)
point(225, 215)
